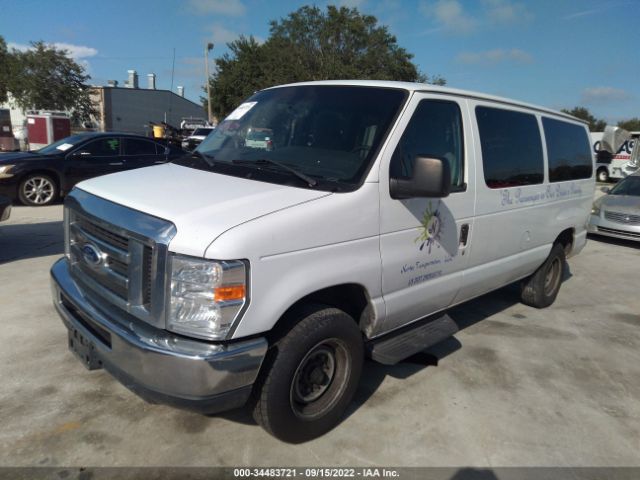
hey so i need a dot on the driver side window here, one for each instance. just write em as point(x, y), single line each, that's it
point(435, 130)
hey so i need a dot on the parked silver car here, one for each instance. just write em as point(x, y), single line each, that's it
point(617, 214)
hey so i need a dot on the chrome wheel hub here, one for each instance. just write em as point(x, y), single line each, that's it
point(38, 190)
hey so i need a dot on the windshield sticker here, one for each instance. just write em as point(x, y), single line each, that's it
point(241, 111)
point(430, 228)
point(64, 147)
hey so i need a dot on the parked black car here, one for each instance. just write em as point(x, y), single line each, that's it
point(5, 208)
point(42, 176)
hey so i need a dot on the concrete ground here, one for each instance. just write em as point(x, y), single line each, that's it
point(515, 387)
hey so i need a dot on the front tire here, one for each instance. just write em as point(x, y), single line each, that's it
point(310, 375)
point(38, 190)
point(541, 289)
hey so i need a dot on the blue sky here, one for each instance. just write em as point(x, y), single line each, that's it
point(556, 53)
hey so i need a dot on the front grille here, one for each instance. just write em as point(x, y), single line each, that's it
point(626, 218)
point(102, 233)
point(118, 256)
point(147, 273)
point(114, 275)
point(117, 266)
point(619, 232)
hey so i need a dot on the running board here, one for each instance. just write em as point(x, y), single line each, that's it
point(396, 346)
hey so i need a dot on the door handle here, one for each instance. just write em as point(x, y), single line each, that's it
point(464, 234)
point(116, 163)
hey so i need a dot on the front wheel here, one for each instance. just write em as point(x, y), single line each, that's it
point(38, 190)
point(541, 289)
point(310, 375)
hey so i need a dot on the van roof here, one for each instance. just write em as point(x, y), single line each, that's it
point(425, 87)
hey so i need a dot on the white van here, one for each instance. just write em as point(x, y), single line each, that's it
point(241, 274)
point(613, 166)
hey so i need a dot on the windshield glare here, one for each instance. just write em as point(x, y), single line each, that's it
point(627, 186)
point(330, 133)
point(63, 145)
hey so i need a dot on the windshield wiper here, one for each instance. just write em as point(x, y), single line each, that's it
point(264, 161)
point(207, 158)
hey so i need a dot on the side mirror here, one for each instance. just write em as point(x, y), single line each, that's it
point(605, 190)
point(431, 178)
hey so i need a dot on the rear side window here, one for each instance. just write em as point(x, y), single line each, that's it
point(134, 146)
point(568, 150)
point(511, 148)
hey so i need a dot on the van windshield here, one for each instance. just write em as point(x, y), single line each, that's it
point(328, 133)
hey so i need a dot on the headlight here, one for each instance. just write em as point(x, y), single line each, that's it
point(4, 171)
point(595, 210)
point(206, 296)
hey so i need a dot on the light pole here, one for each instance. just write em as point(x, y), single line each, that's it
point(207, 49)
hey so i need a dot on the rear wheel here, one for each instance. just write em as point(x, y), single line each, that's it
point(38, 190)
point(603, 175)
point(310, 375)
point(541, 289)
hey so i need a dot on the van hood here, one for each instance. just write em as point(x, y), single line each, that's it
point(202, 205)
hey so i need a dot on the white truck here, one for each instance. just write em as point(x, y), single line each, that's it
point(613, 165)
point(263, 276)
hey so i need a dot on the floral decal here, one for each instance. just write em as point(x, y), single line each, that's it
point(430, 228)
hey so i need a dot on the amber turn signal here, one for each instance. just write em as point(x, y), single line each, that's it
point(225, 294)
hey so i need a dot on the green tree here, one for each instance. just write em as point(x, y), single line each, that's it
point(5, 68)
point(631, 125)
point(46, 78)
point(310, 44)
point(595, 124)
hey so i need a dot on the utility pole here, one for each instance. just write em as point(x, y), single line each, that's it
point(207, 49)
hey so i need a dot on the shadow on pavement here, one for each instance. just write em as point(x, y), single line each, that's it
point(30, 240)
point(621, 242)
point(373, 373)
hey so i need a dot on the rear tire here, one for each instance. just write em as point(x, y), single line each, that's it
point(603, 175)
point(541, 289)
point(310, 375)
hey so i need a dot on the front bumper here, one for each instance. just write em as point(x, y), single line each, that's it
point(8, 188)
point(598, 225)
point(159, 366)
point(5, 209)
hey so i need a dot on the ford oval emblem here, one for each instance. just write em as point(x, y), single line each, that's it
point(92, 255)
